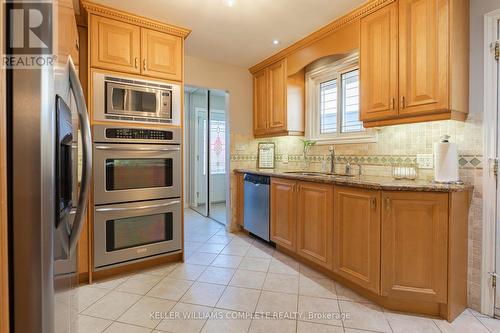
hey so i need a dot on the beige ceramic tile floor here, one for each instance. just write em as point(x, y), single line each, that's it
point(228, 277)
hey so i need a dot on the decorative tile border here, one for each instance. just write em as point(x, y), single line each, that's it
point(465, 161)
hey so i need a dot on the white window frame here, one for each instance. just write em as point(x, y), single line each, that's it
point(314, 78)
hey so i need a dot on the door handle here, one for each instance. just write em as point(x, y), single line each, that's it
point(373, 203)
point(391, 104)
point(123, 209)
point(145, 65)
point(136, 62)
point(103, 147)
point(403, 102)
point(81, 207)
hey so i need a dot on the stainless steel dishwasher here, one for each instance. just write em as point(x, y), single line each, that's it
point(256, 209)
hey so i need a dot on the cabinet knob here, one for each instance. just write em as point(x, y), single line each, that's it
point(387, 202)
point(373, 203)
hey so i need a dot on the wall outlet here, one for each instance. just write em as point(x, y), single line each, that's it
point(240, 147)
point(425, 161)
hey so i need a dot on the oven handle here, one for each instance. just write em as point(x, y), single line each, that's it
point(81, 207)
point(120, 209)
point(101, 147)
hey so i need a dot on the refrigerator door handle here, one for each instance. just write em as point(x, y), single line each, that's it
point(81, 207)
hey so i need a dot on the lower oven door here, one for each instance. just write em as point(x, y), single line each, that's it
point(125, 232)
point(134, 172)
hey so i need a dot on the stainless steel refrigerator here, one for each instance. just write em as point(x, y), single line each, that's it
point(48, 129)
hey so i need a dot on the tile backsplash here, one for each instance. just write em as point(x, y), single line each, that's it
point(395, 144)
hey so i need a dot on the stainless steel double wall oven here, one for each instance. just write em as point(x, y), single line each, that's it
point(137, 193)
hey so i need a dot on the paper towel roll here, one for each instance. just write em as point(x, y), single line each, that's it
point(445, 162)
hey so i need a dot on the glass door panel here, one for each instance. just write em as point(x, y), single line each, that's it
point(198, 107)
point(217, 148)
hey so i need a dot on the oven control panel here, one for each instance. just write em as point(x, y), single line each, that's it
point(138, 134)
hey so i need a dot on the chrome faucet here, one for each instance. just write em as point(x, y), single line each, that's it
point(332, 159)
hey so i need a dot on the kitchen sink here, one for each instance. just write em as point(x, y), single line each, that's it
point(312, 173)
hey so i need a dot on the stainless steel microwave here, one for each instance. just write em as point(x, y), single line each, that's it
point(130, 99)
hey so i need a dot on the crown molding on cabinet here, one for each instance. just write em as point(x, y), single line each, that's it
point(116, 14)
point(356, 14)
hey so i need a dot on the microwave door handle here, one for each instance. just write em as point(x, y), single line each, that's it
point(81, 207)
point(103, 147)
point(126, 100)
point(121, 209)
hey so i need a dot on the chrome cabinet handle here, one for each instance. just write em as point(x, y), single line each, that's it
point(122, 209)
point(81, 207)
point(102, 147)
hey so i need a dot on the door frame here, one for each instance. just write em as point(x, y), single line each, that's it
point(192, 137)
point(490, 123)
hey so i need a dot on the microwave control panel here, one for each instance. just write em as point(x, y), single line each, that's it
point(138, 134)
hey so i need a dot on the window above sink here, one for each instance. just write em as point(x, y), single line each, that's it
point(332, 109)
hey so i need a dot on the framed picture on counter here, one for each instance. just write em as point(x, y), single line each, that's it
point(265, 156)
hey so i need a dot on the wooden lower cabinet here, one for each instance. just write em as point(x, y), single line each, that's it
point(356, 236)
point(404, 250)
point(240, 198)
point(415, 246)
point(283, 213)
point(315, 222)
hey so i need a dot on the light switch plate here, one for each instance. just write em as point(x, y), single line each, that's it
point(425, 161)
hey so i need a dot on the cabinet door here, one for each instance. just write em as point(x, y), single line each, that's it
point(414, 246)
point(423, 56)
point(379, 64)
point(315, 222)
point(356, 236)
point(240, 198)
point(260, 102)
point(115, 45)
point(283, 212)
point(161, 55)
point(277, 97)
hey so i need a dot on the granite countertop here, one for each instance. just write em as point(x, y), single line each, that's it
point(368, 182)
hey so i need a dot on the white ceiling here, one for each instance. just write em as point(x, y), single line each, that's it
point(242, 34)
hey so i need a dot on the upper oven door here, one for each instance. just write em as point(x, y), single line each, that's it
point(133, 172)
point(132, 100)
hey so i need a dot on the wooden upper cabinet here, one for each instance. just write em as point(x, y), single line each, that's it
point(423, 56)
point(414, 246)
point(272, 88)
point(115, 45)
point(356, 236)
point(315, 222)
point(379, 64)
point(284, 212)
point(161, 55)
point(260, 102)
point(277, 97)
point(414, 62)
